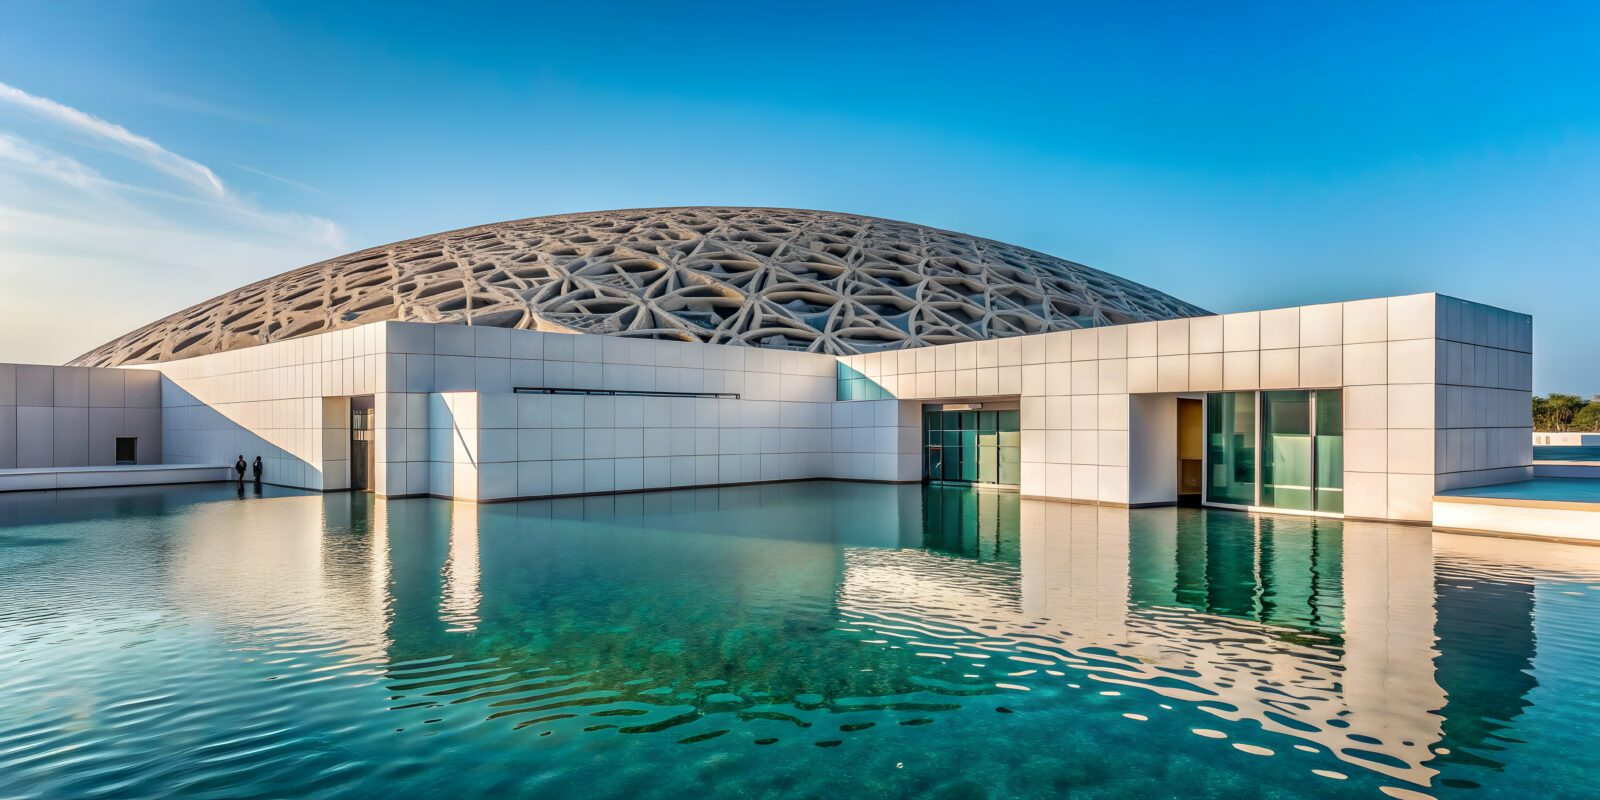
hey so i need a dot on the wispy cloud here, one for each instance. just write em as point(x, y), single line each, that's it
point(304, 187)
point(183, 169)
point(195, 105)
point(123, 229)
point(50, 164)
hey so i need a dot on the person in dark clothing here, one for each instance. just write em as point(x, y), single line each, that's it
point(256, 469)
point(238, 468)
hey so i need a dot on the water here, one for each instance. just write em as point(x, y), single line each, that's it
point(1565, 453)
point(797, 640)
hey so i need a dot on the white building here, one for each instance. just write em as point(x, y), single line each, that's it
point(549, 361)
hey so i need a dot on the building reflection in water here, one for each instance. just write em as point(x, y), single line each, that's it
point(1337, 633)
point(309, 568)
point(458, 607)
point(1345, 635)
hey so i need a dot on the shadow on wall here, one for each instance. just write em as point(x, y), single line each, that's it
point(288, 435)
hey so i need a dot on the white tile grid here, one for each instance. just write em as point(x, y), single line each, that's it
point(779, 429)
point(533, 445)
point(1484, 368)
point(1073, 385)
point(401, 454)
point(1381, 351)
point(267, 401)
point(494, 360)
point(72, 416)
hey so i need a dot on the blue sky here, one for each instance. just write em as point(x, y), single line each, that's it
point(1253, 156)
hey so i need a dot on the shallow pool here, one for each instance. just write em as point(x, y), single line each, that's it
point(797, 640)
point(1565, 453)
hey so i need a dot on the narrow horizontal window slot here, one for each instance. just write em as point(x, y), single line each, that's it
point(622, 392)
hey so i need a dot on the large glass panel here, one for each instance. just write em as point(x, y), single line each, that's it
point(989, 464)
point(1286, 450)
point(973, 446)
point(1231, 448)
point(1011, 465)
point(1330, 450)
point(1009, 421)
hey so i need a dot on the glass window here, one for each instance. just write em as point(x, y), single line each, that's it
point(978, 446)
point(1330, 450)
point(1286, 450)
point(1009, 420)
point(1010, 472)
point(952, 463)
point(989, 464)
point(1231, 448)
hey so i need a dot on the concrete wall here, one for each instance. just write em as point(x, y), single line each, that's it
point(1435, 395)
point(1483, 420)
point(458, 430)
point(1153, 449)
point(1435, 391)
point(268, 401)
point(72, 416)
point(1566, 439)
point(432, 438)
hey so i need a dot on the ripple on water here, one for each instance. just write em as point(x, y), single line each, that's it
point(297, 646)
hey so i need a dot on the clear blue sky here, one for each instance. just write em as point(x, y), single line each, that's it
point(1244, 157)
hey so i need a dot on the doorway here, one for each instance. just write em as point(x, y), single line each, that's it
point(127, 450)
point(1279, 449)
point(361, 451)
point(968, 443)
point(1191, 451)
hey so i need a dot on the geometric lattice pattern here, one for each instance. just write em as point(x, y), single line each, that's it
point(803, 280)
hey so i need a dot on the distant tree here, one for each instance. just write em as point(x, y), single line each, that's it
point(1587, 419)
point(1555, 412)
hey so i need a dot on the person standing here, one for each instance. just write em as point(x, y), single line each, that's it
point(256, 469)
point(238, 468)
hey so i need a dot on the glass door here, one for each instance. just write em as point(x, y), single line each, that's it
point(975, 446)
point(1286, 450)
point(1299, 438)
point(1231, 448)
point(1329, 453)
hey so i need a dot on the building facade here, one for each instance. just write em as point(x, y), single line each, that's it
point(646, 349)
point(1363, 409)
point(78, 417)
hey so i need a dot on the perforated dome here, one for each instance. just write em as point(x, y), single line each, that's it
point(780, 278)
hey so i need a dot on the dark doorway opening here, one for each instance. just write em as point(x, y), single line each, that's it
point(127, 450)
point(361, 450)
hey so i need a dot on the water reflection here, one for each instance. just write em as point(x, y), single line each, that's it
point(1336, 634)
point(809, 614)
point(459, 606)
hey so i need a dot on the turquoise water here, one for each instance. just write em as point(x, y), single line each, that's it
point(1568, 490)
point(1554, 453)
point(799, 640)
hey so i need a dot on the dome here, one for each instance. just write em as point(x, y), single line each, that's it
point(782, 278)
